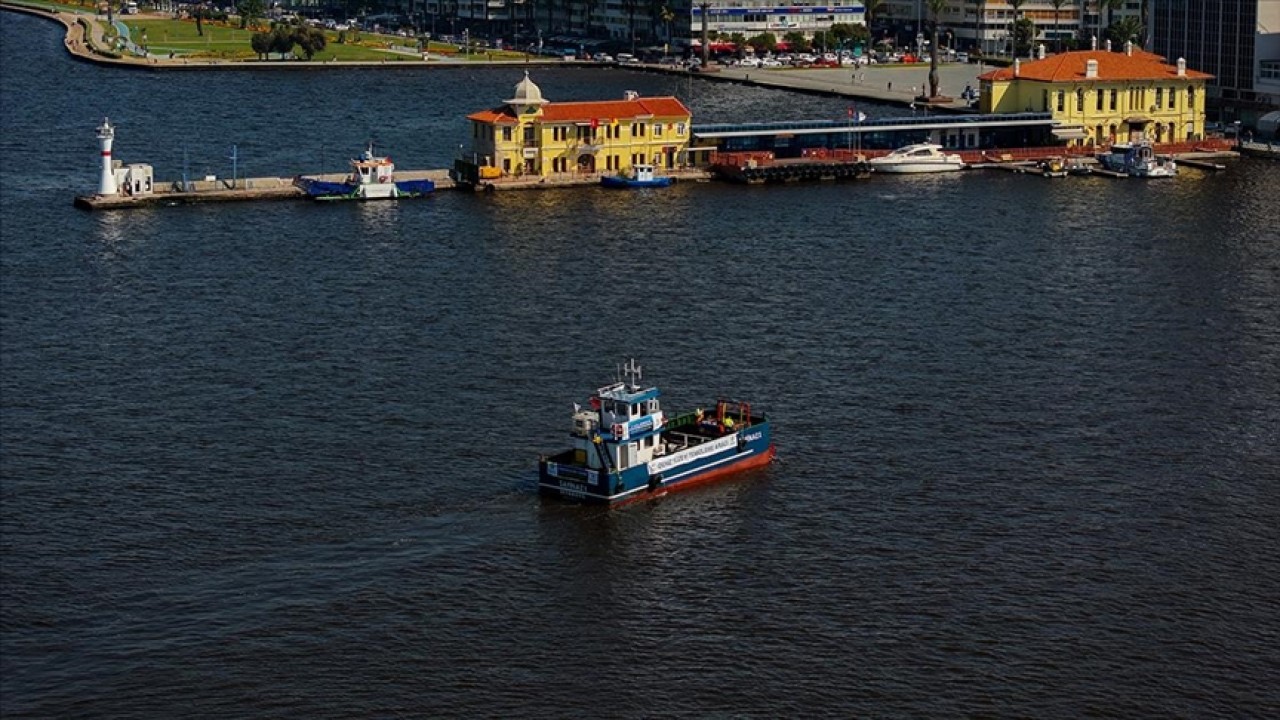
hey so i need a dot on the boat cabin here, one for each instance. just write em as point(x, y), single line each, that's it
point(642, 173)
point(623, 428)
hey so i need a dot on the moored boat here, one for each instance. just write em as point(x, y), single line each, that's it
point(372, 178)
point(1054, 167)
point(641, 176)
point(625, 448)
point(919, 158)
point(1138, 159)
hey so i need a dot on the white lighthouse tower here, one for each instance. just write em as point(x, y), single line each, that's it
point(107, 182)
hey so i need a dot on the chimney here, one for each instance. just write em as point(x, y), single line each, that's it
point(1093, 42)
point(1017, 66)
point(1108, 45)
point(1091, 69)
point(630, 95)
point(1182, 67)
point(1040, 51)
point(1128, 48)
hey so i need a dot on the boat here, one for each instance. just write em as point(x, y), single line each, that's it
point(641, 176)
point(372, 178)
point(1077, 166)
point(919, 158)
point(625, 448)
point(1138, 159)
point(1054, 167)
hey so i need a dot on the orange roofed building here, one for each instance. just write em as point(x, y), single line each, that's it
point(1099, 97)
point(530, 136)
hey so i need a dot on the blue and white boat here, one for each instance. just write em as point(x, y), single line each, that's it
point(372, 178)
point(641, 176)
point(1138, 159)
point(625, 448)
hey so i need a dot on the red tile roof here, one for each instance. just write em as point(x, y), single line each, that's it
point(1070, 67)
point(663, 107)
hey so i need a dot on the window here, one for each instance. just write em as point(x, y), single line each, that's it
point(506, 134)
point(1159, 98)
point(1191, 97)
point(637, 129)
point(1062, 100)
point(1098, 103)
point(1079, 101)
point(506, 165)
point(559, 133)
point(657, 129)
point(680, 129)
point(1115, 94)
point(529, 134)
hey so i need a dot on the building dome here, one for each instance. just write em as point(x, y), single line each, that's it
point(527, 93)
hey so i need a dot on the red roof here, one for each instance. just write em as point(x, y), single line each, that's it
point(1070, 67)
point(664, 107)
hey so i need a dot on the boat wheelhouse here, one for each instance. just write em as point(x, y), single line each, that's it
point(624, 447)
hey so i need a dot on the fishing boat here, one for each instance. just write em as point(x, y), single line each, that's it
point(920, 158)
point(372, 178)
point(624, 447)
point(641, 176)
point(1138, 159)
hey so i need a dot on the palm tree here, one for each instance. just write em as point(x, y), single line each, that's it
point(1126, 29)
point(1017, 13)
point(1057, 31)
point(935, 9)
point(872, 9)
point(1107, 5)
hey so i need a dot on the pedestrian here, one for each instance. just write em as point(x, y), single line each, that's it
point(854, 79)
point(890, 86)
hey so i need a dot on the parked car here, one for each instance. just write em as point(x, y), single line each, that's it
point(602, 57)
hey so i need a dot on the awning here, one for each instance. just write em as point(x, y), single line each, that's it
point(1070, 133)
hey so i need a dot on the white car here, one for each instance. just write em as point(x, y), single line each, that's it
point(770, 63)
point(602, 57)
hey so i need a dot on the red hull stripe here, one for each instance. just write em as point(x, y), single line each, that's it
point(747, 463)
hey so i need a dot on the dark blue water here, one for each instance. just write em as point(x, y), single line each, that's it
point(276, 459)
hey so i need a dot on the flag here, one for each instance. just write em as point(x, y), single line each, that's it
point(595, 123)
point(850, 111)
point(862, 117)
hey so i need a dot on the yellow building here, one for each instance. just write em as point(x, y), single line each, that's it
point(529, 136)
point(1099, 97)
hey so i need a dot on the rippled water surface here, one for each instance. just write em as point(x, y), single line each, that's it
point(277, 459)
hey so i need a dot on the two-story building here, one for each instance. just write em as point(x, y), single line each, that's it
point(1098, 97)
point(530, 136)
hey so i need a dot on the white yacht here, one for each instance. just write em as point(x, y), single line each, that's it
point(921, 158)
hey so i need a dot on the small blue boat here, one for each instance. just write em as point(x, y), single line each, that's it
point(372, 178)
point(625, 448)
point(641, 177)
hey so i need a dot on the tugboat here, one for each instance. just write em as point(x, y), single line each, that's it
point(372, 178)
point(624, 448)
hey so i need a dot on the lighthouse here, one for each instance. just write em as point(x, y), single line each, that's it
point(107, 182)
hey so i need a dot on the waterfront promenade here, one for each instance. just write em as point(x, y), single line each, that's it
point(87, 39)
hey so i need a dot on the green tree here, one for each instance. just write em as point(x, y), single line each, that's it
point(261, 44)
point(796, 41)
point(1107, 6)
point(1024, 34)
point(250, 10)
point(282, 39)
point(310, 40)
point(764, 41)
point(739, 44)
point(1126, 29)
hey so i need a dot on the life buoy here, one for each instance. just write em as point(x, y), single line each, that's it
point(617, 430)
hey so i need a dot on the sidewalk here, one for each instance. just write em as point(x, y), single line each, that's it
point(896, 83)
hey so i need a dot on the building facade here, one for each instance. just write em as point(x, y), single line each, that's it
point(530, 136)
point(987, 25)
point(1099, 97)
point(756, 17)
point(1237, 41)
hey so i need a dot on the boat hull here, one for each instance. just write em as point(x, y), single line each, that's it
point(328, 190)
point(914, 168)
point(622, 183)
point(751, 447)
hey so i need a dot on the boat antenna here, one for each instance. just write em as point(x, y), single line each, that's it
point(632, 372)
